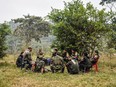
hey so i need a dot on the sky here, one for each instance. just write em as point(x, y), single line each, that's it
point(11, 9)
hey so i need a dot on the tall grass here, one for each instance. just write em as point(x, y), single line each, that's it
point(11, 76)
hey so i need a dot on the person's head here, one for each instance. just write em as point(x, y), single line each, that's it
point(72, 51)
point(21, 53)
point(96, 52)
point(85, 54)
point(40, 50)
point(30, 49)
point(55, 50)
point(64, 50)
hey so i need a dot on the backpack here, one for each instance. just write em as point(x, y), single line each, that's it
point(19, 61)
point(57, 62)
point(74, 67)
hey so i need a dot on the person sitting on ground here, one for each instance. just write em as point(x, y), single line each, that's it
point(73, 66)
point(19, 60)
point(85, 64)
point(74, 54)
point(27, 59)
point(39, 63)
point(95, 57)
point(65, 56)
point(40, 54)
point(57, 64)
point(55, 53)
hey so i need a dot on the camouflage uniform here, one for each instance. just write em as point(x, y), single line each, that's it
point(85, 64)
point(39, 64)
point(57, 64)
point(27, 59)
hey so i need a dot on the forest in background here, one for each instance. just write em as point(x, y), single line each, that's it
point(79, 27)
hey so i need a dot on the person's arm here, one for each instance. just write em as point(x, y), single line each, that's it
point(24, 54)
point(67, 55)
point(43, 55)
point(52, 54)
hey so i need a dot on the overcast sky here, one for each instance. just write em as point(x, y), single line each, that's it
point(10, 9)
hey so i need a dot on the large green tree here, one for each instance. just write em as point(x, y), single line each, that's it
point(31, 27)
point(79, 27)
point(4, 30)
point(111, 4)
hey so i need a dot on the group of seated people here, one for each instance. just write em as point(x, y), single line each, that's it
point(57, 62)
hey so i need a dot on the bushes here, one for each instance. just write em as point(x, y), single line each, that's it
point(4, 30)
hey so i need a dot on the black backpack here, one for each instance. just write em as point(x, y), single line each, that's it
point(19, 61)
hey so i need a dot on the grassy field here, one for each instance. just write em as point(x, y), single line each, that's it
point(11, 76)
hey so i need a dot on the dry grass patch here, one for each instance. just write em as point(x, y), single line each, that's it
point(11, 76)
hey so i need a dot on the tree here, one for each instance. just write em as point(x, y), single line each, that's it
point(106, 2)
point(14, 44)
point(79, 27)
point(112, 36)
point(4, 31)
point(111, 4)
point(31, 27)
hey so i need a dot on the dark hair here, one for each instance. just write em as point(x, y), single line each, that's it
point(40, 50)
point(56, 49)
point(85, 54)
point(21, 53)
point(29, 47)
point(96, 51)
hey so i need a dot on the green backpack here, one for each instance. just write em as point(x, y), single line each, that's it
point(74, 66)
point(39, 64)
point(57, 62)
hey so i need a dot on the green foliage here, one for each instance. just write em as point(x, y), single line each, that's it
point(31, 27)
point(79, 27)
point(107, 1)
point(112, 39)
point(111, 4)
point(4, 30)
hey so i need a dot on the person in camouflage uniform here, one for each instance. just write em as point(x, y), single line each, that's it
point(40, 64)
point(55, 53)
point(85, 64)
point(27, 59)
point(57, 64)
